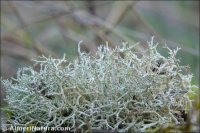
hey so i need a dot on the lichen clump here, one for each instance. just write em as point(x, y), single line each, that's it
point(139, 91)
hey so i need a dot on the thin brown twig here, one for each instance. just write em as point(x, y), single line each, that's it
point(155, 33)
point(35, 44)
point(147, 26)
point(54, 16)
point(120, 16)
point(100, 23)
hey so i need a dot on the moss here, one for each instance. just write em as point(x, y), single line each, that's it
point(126, 94)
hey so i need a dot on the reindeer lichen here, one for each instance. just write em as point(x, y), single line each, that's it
point(139, 91)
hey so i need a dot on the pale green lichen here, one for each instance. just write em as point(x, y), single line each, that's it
point(133, 93)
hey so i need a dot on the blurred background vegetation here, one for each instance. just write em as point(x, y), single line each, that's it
point(32, 28)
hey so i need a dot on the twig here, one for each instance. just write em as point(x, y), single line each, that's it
point(35, 45)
